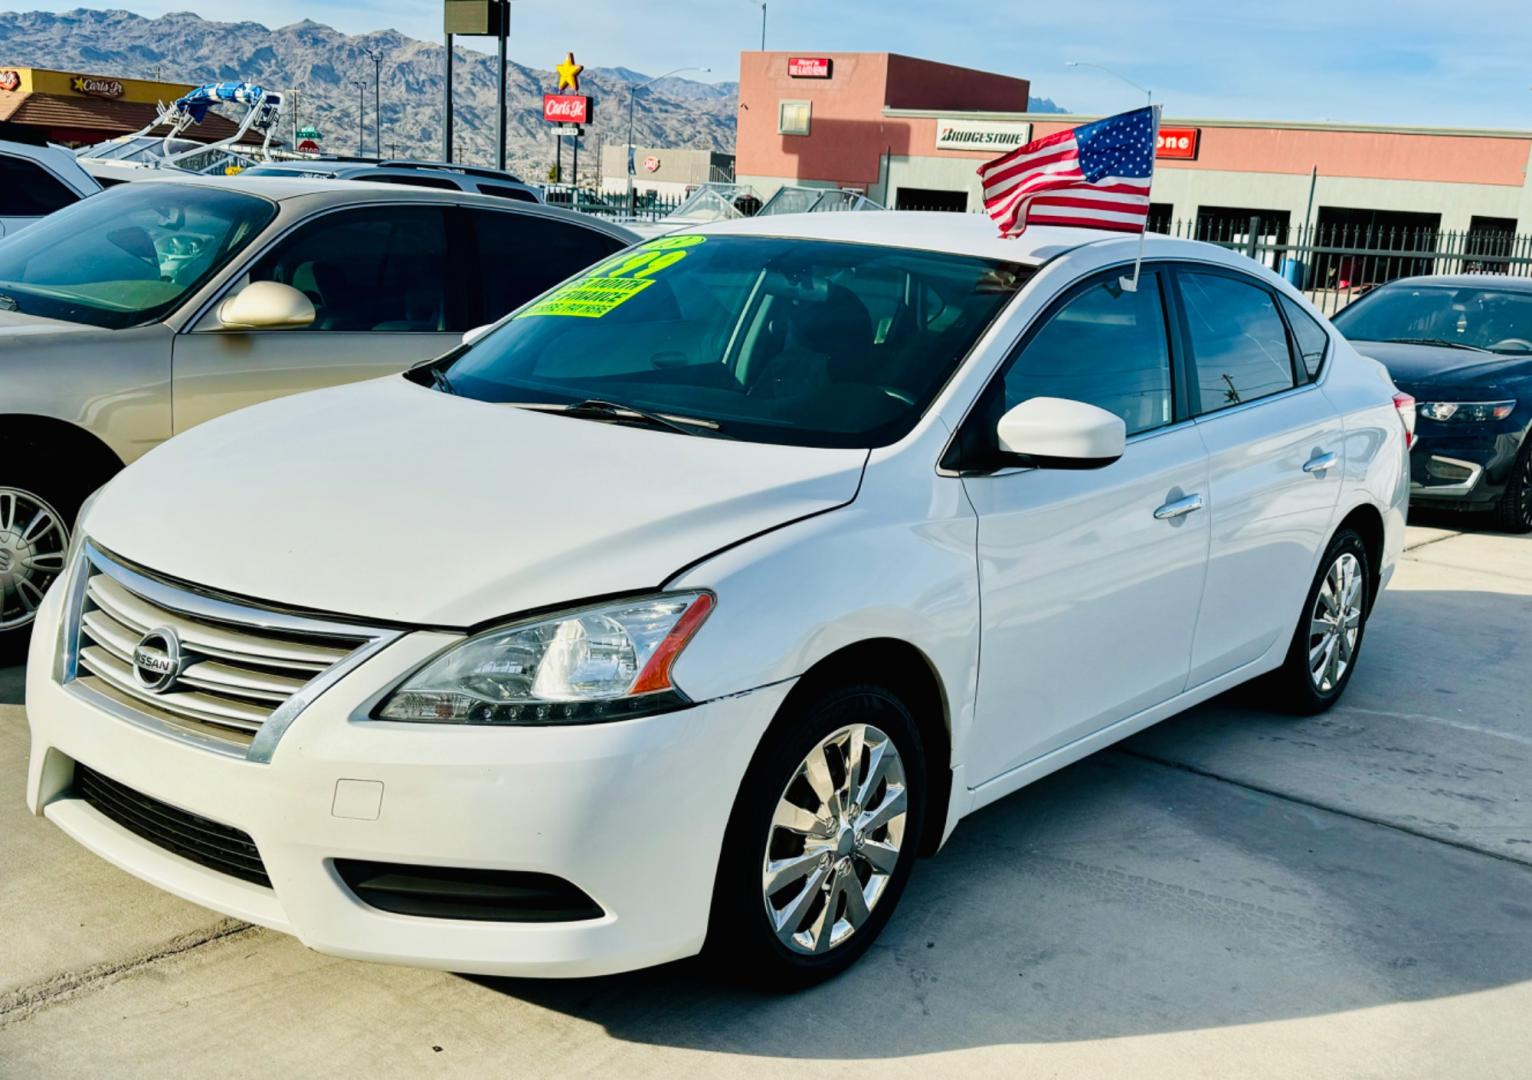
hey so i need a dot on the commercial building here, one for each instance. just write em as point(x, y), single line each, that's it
point(78, 108)
point(893, 128)
point(667, 171)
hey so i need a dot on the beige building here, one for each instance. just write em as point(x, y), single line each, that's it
point(666, 171)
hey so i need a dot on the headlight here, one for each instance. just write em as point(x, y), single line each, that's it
point(1466, 412)
point(600, 663)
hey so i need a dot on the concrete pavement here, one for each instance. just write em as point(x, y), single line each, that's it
point(1231, 893)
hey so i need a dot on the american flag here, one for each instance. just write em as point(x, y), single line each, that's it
point(1095, 176)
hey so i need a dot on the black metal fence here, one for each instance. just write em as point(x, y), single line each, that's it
point(1334, 264)
point(614, 205)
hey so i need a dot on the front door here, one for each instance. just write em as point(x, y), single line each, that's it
point(381, 282)
point(1090, 580)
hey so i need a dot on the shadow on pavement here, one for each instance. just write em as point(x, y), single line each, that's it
point(1124, 896)
point(12, 684)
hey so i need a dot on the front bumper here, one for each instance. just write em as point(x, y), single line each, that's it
point(631, 812)
point(1457, 469)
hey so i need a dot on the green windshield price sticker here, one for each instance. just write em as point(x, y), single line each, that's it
point(589, 298)
point(616, 281)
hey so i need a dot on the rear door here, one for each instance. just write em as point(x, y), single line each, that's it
point(1274, 444)
point(385, 293)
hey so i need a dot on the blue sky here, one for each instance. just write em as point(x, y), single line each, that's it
point(1461, 64)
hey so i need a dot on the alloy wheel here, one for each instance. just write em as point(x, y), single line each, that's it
point(834, 839)
point(33, 539)
point(1336, 623)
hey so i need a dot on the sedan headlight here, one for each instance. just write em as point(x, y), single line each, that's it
point(1466, 412)
point(608, 662)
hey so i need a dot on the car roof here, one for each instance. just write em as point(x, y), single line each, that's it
point(328, 189)
point(957, 234)
point(1468, 281)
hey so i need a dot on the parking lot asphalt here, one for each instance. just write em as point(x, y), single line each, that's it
point(1234, 892)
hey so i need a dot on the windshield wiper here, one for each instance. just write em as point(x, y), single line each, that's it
point(1434, 341)
point(598, 409)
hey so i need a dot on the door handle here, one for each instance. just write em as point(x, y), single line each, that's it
point(1321, 462)
point(1178, 508)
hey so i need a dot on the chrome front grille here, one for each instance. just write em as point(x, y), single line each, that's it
point(236, 674)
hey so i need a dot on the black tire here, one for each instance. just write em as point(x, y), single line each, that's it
point(742, 944)
point(54, 486)
point(1293, 685)
point(1513, 513)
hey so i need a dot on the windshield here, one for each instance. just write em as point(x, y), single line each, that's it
point(1476, 317)
point(127, 256)
point(803, 342)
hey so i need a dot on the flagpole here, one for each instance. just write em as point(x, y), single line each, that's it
point(1131, 284)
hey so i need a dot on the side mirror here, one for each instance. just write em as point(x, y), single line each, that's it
point(266, 305)
point(1056, 433)
point(476, 333)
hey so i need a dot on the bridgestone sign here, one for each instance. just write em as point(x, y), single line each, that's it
point(981, 134)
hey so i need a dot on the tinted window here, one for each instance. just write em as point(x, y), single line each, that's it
point(770, 339)
point(1312, 339)
point(521, 255)
point(380, 268)
point(29, 190)
point(1238, 341)
point(1105, 347)
point(127, 256)
point(412, 180)
point(503, 192)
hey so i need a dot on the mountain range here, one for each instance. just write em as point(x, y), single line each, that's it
point(325, 67)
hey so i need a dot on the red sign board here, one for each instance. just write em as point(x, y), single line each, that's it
point(808, 67)
point(1178, 142)
point(566, 109)
point(652, 163)
point(10, 80)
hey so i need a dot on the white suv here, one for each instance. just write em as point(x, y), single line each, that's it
point(686, 607)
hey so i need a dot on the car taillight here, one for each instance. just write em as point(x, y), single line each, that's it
point(1404, 405)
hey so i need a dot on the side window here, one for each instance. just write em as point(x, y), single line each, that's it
point(410, 180)
point(523, 255)
point(504, 191)
point(1238, 342)
point(377, 269)
point(1312, 339)
point(29, 190)
point(1105, 347)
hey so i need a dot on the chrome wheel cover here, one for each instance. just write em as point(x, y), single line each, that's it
point(834, 839)
point(33, 539)
point(1335, 624)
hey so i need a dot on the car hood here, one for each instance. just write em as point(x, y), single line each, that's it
point(14, 324)
point(389, 501)
point(1433, 367)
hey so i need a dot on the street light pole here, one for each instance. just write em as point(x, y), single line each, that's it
point(377, 100)
point(361, 117)
point(632, 94)
point(504, 31)
point(763, 25)
point(1148, 94)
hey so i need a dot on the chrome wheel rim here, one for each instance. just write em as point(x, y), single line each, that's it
point(1335, 624)
point(33, 539)
point(834, 839)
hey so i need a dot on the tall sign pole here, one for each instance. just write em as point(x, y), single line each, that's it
point(447, 102)
point(503, 31)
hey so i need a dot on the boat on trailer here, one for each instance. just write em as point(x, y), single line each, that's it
point(164, 145)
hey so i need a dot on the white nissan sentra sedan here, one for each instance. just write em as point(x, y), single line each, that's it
point(680, 611)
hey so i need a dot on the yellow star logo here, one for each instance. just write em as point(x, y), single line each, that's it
point(569, 73)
